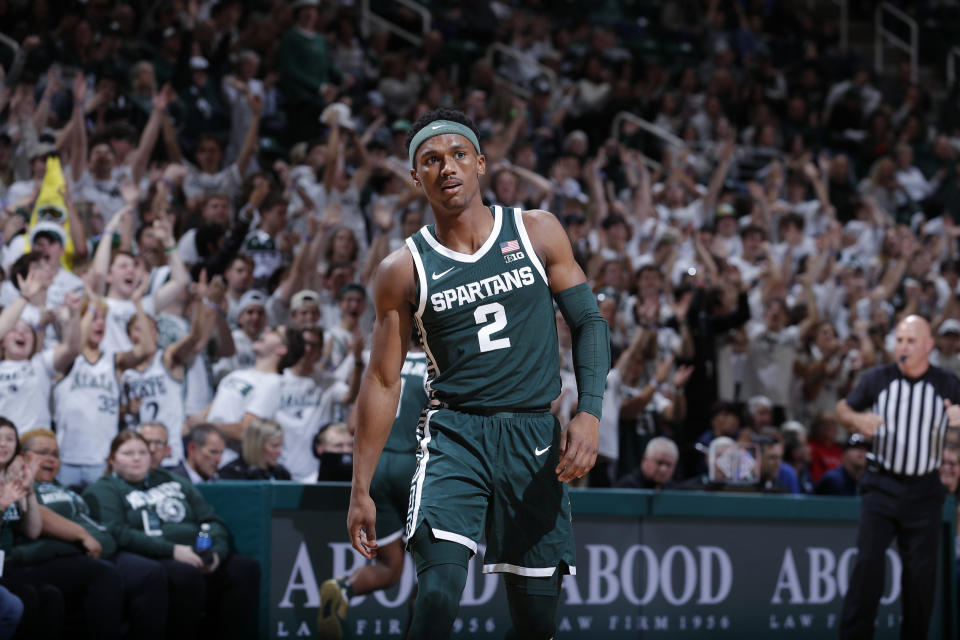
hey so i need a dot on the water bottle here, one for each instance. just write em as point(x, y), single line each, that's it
point(203, 547)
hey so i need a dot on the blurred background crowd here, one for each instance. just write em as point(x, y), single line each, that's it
point(194, 196)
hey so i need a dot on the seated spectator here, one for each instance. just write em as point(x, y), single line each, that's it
point(158, 441)
point(68, 530)
point(772, 479)
point(825, 453)
point(785, 479)
point(11, 611)
point(205, 446)
point(158, 514)
point(333, 446)
point(950, 477)
point(724, 422)
point(43, 603)
point(728, 463)
point(89, 586)
point(947, 354)
point(842, 480)
point(656, 469)
point(796, 453)
point(262, 446)
point(759, 413)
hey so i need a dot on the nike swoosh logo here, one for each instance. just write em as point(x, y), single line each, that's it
point(437, 126)
point(540, 452)
point(437, 276)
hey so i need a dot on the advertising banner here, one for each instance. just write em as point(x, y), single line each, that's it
point(636, 578)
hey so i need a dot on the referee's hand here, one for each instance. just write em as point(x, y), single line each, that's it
point(953, 413)
point(868, 423)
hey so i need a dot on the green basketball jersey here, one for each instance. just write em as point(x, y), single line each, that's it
point(413, 398)
point(487, 320)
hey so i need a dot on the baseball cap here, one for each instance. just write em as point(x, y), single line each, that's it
point(252, 297)
point(759, 401)
point(856, 441)
point(950, 325)
point(725, 209)
point(49, 229)
point(342, 112)
point(42, 149)
point(303, 298)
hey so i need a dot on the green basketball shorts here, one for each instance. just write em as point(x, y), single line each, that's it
point(390, 490)
point(494, 475)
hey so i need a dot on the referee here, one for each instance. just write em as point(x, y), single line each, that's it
point(904, 407)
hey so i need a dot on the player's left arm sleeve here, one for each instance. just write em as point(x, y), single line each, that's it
point(591, 345)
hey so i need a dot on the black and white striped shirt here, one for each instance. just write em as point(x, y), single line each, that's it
point(910, 440)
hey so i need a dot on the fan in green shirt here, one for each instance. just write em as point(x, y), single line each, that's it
point(159, 514)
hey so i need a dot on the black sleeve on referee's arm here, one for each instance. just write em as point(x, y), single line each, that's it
point(864, 394)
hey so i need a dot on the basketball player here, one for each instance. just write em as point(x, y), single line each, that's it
point(480, 286)
point(390, 490)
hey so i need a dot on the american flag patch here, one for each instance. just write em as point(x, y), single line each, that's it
point(509, 246)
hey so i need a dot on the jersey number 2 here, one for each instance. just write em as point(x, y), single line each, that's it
point(499, 323)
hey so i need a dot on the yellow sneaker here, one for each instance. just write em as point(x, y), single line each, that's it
point(332, 616)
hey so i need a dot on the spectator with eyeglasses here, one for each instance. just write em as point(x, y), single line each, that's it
point(69, 530)
point(157, 438)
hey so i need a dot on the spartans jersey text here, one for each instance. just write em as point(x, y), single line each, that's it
point(481, 289)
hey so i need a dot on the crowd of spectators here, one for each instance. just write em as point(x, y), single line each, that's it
point(195, 195)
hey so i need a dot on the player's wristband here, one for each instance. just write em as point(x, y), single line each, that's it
point(591, 345)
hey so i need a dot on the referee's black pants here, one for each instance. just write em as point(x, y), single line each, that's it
point(910, 511)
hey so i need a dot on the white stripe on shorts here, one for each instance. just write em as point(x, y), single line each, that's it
point(418, 477)
point(529, 572)
point(440, 534)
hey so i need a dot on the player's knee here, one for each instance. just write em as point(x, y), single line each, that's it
point(438, 600)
